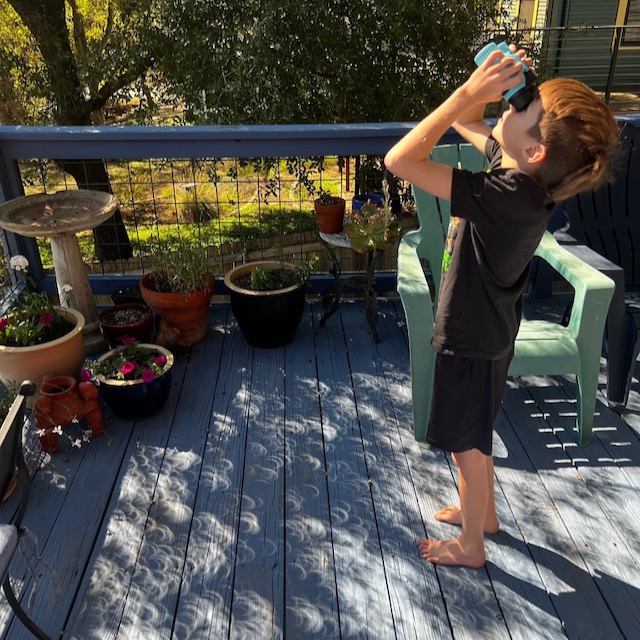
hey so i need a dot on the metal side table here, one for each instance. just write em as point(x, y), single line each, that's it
point(331, 296)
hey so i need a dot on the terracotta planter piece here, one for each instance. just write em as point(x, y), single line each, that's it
point(61, 401)
point(63, 356)
point(186, 314)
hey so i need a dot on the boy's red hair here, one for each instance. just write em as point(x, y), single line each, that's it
point(580, 135)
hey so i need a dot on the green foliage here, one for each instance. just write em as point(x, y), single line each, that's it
point(327, 199)
point(180, 268)
point(372, 227)
point(273, 279)
point(31, 319)
point(365, 60)
point(246, 61)
point(129, 361)
point(7, 396)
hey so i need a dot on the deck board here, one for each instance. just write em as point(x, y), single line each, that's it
point(280, 494)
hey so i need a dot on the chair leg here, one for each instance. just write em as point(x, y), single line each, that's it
point(631, 351)
point(422, 366)
point(21, 613)
point(587, 386)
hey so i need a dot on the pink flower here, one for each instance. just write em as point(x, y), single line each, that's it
point(127, 340)
point(85, 375)
point(128, 367)
point(3, 324)
point(148, 376)
point(160, 360)
point(47, 318)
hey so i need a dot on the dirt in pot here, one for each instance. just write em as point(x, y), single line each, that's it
point(124, 316)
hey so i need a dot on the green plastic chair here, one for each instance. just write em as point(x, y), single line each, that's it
point(542, 347)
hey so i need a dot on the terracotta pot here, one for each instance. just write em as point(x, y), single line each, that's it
point(63, 356)
point(113, 331)
point(330, 217)
point(266, 318)
point(62, 401)
point(132, 399)
point(187, 314)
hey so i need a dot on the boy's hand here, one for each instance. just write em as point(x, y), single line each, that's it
point(497, 74)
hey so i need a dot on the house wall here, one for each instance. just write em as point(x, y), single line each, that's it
point(586, 53)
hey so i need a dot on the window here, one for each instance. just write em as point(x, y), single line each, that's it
point(629, 13)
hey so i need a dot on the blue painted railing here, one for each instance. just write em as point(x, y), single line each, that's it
point(86, 143)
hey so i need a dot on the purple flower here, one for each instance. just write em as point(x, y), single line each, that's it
point(148, 376)
point(3, 324)
point(160, 360)
point(85, 375)
point(47, 318)
point(127, 340)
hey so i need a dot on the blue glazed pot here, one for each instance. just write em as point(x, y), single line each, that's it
point(359, 201)
point(133, 399)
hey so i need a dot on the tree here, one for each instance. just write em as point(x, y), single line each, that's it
point(233, 62)
point(73, 101)
point(253, 61)
point(268, 61)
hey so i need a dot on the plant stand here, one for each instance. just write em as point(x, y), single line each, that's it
point(331, 296)
point(59, 217)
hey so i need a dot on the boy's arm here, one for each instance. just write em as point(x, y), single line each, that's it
point(472, 127)
point(408, 158)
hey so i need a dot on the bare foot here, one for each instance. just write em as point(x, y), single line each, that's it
point(451, 552)
point(453, 515)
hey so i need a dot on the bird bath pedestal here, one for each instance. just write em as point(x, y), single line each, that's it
point(59, 217)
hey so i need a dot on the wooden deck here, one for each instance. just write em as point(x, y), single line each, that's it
point(280, 494)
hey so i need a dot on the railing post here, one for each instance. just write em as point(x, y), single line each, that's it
point(618, 31)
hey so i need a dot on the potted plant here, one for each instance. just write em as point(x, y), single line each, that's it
point(373, 226)
point(134, 378)
point(179, 290)
point(329, 212)
point(133, 319)
point(267, 300)
point(38, 338)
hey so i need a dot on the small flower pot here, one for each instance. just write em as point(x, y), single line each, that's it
point(133, 399)
point(134, 320)
point(359, 201)
point(330, 217)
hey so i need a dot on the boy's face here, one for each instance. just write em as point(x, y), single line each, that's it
point(512, 130)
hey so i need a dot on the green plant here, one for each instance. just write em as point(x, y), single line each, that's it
point(372, 227)
point(130, 361)
point(9, 394)
point(272, 279)
point(327, 199)
point(179, 268)
point(31, 319)
point(195, 205)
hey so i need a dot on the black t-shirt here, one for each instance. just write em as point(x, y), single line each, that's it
point(503, 214)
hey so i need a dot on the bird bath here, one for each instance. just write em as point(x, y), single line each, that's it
point(59, 217)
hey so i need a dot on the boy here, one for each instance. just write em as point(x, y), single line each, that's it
point(560, 144)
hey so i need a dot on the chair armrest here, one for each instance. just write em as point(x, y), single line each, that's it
point(593, 290)
point(412, 280)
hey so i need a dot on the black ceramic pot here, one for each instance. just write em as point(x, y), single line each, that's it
point(266, 318)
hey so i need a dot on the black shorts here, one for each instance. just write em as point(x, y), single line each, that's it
point(467, 393)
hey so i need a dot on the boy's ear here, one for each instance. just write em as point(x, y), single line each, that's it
point(535, 153)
